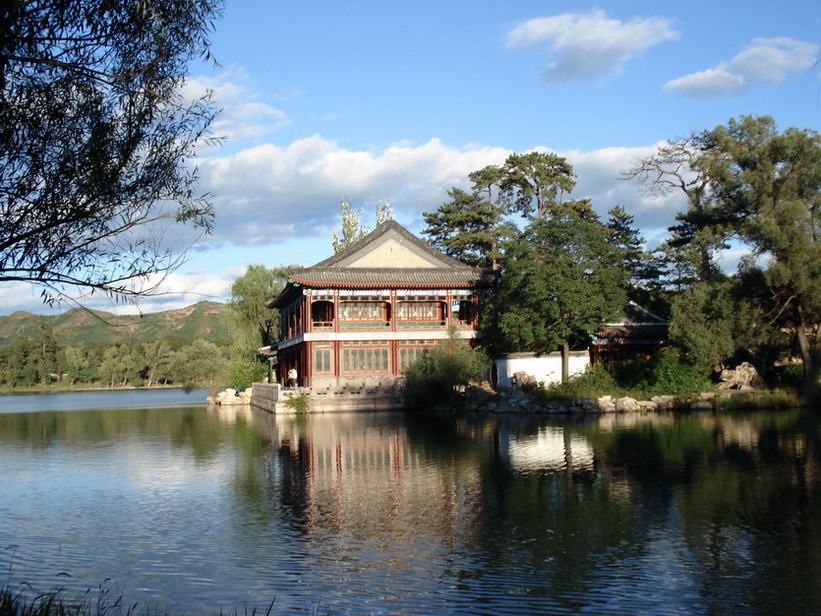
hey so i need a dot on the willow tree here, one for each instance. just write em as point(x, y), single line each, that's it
point(253, 324)
point(353, 229)
point(96, 140)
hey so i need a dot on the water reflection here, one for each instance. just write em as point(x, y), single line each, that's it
point(218, 507)
point(577, 515)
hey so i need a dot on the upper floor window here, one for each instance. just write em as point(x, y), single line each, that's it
point(421, 311)
point(363, 311)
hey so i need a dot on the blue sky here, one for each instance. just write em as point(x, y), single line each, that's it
point(397, 102)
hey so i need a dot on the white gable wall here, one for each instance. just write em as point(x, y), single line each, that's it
point(391, 254)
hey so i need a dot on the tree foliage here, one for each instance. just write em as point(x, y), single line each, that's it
point(96, 136)
point(353, 229)
point(251, 322)
point(719, 324)
point(467, 228)
point(534, 183)
point(474, 226)
point(247, 308)
point(675, 168)
point(561, 278)
point(39, 359)
point(766, 188)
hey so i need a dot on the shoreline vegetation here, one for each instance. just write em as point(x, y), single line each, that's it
point(448, 376)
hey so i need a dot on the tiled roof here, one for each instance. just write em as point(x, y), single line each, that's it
point(388, 278)
point(332, 273)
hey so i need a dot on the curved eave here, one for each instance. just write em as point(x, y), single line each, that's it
point(408, 285)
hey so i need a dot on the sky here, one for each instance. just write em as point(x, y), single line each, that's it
point(376, 102)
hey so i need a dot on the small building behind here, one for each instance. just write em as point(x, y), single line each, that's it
point(366, 313)
point(638, 334)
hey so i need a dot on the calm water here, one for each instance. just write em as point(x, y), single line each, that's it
point(205, 510)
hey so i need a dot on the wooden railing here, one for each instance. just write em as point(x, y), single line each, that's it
point(381, 325)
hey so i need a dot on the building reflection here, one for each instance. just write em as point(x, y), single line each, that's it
point(361, 474)
point(551, 448)
point(388, 475)
point(476, 497)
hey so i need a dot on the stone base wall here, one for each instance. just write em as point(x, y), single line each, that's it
point(351, 397)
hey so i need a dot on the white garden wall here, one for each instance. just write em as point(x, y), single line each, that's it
point(546, 369)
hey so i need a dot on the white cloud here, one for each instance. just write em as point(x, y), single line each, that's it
point(600, 179)
point(590, 44)
point(711, 82)
point(279, 204)
point(270, 193)
point(766, 62)
point(242, 114)
point(173, 290)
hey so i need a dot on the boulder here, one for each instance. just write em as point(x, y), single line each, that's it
point(626, 405)
point(522, 379)
point(606, 404)
point(663, 403)
point(230, 396)
point(744, 376)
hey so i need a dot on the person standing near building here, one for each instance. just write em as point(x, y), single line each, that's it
point(292, 377)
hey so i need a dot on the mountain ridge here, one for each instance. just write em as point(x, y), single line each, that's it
point(203, 319)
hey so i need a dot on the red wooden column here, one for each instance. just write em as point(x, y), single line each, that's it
point(336, 348)
point(394, 346)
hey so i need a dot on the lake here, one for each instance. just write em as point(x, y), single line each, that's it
point(203, 509)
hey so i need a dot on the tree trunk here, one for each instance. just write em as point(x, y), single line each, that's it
point(565, 361)
point(810, 348)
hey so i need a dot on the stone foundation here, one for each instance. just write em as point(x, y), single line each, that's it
point(353, 396)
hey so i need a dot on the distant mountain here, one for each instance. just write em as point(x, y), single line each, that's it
point(201, 320)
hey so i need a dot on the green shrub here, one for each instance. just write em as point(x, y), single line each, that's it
point(769, 399)
point(596, 381)
point(790, 375)
point(666, 373)
point(299, 404)
point(245, 372)
point(438, 374)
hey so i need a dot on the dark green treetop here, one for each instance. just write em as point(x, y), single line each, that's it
point(561, 278)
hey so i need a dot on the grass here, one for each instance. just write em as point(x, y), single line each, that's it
point(767, 399)
point(57, 604)
point(101, 603)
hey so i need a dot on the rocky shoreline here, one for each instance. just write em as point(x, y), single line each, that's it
point(486, 400)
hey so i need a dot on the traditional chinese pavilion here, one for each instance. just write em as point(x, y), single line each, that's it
point(366, 313)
